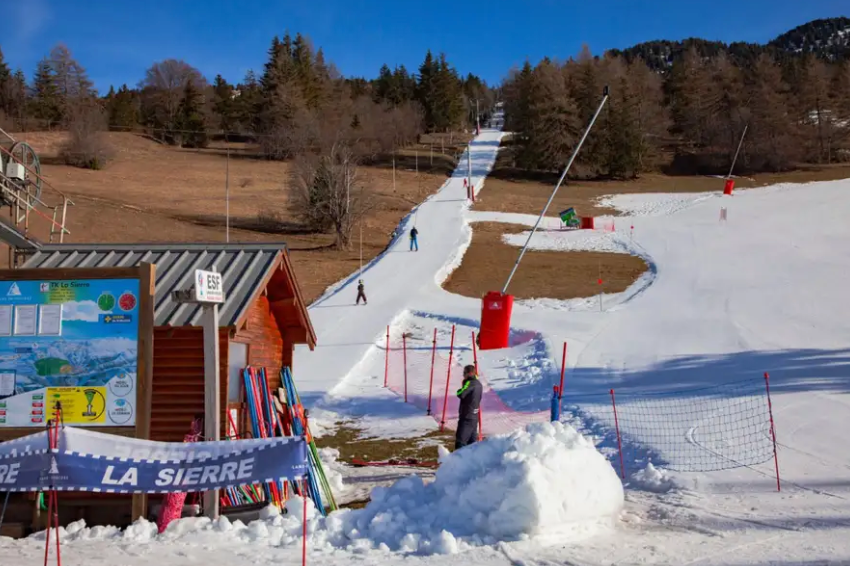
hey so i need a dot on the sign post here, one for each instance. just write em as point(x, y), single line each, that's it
point(208, 291)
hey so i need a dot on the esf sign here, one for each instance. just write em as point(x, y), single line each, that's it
point(209, 287)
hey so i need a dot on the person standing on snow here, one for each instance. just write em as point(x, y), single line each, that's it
point(470, 403)
point(413, 242)
point(361, 293)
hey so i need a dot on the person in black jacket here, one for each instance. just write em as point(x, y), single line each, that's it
point(470, 403)
point(414, 242)
point(361, 293)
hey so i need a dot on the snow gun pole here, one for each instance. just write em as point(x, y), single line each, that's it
point(563, 368)
point(772, 428)
point(557, 186)
point(404, 353)
point(448, 378)
point(469, 188)
point(737, 151)
point(387, 358)
point(619, 442)
point(431, 383)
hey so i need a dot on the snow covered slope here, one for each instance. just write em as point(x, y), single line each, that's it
point(346, 332)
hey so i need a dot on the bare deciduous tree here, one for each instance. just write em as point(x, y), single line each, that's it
point(329, 193)
point(163, 88)
point(87, 145)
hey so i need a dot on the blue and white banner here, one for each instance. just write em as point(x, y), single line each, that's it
point(90, 461)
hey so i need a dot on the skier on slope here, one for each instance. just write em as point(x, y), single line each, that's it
point(470, 402)
point(414, 243)
point(361, 293)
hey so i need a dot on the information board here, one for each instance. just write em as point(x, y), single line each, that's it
point(72, 341)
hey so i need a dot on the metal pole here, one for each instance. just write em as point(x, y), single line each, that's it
point(557, 186)
point(227, 194)
point(740, 143)
point(469, 170)
point(361, 247)
point(393, 169)
point(212, 398)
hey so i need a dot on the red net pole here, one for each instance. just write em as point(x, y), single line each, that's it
point(304, 527)
point(563, 368)
point(404, 353)
point(448, 377)
point(433, 357)
point(480, 415)
point(772, 428)
point(52, 499)
point(619, 442)
point(387, 358)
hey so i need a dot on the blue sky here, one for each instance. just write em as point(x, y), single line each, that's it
point(116, 40)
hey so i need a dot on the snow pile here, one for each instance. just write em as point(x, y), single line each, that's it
point(546, 479)
point(652, 479)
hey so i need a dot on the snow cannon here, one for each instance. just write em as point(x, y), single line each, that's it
point(569, 218)
point(495, 328)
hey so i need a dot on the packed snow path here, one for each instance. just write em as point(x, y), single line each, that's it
point(345, 331)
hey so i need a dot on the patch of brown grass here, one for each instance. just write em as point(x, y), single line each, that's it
point(550, 274)
point(347, 439)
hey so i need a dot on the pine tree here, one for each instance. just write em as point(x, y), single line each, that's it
point(426, 90)
point(246, 102)
point(691, 93)
point(841, 102)
point(17, 99)
point(45, 100)
point(305, 74)
point(770, 141)
point(813, 106)
point(5, 86)
point(190, 117)
point(650, 115)
point(382, 86)
point(281, 100)
point(448, 104)
point(123, 109)
point(224, 107)
point(586, 82)
point(552, 120)
point(517, 93)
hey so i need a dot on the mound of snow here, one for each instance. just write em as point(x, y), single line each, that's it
point(652, 479)
point(545, 480)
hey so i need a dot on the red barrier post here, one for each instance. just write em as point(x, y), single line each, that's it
point(772, 428)
point(563, 368)
point(619, 442)
point(431, 383)
point(52, 499)
point(404, 351)
point(387, 358)
point(474, 353)
point(480, 412)
point(448, 377)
